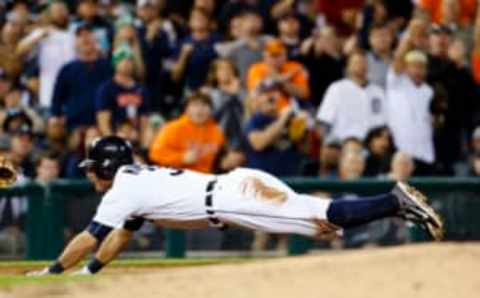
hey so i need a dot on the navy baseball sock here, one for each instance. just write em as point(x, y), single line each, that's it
point(348, 213)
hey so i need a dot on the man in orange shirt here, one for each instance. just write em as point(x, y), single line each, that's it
point(192, 141)
point(290, 77)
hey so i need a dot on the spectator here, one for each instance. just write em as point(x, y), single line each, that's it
point(352, 106)
point(454, 116)
point(270, 147)
point(352, 144)
point(127, 34)
point(88, 14)
point(227, 95)
point(379, 146)
point(288, 27)
point(248, 48)
point(192, 141)
point(449, 12)
point(319, 52)
point(289, 77)
point(342, 14)
point(475, 165)
point(410, 99)
point(73, 101)
point(401, 168)
point(196, 51)
point(21, 152)
point(329, 157)
point(157, 38)
point(351, 165)
point(11, 34)
point(55, 47)
point(380, 55)
point(48, 168)
point(16, 101)
point(475, 145)
point(122, 98)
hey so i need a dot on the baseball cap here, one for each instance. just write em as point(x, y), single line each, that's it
point(123, 51)
point(275, 47)
point(416, 56)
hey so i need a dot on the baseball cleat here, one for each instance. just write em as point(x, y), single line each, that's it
point(414, 208)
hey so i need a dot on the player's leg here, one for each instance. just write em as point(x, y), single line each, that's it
point(404, 201)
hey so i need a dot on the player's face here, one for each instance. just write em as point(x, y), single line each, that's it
point(99, 184)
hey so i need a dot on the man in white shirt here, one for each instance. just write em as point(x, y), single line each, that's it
point(352, 106)
point(54, 45)
point(185, 199)
point(409, 100)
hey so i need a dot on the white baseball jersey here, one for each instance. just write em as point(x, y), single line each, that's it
point(352, 110)
point(409, 116)
point(156, 193)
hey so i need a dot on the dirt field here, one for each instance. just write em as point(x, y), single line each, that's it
point(433, 271)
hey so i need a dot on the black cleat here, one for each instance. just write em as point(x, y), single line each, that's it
point(414, 208)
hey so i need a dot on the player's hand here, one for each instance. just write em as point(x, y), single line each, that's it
point(42, 272)
point(326, 231)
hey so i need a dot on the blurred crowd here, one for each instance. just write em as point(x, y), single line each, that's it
point(340, 89)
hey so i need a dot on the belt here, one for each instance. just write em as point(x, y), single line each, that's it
point(212, 218)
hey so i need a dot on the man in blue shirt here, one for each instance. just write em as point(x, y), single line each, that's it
point(270, 146)
point(195, 52)
point(73, 102)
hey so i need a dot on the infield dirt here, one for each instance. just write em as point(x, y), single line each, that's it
point(429, 270)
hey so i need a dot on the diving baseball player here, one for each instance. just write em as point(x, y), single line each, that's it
point(245, 198)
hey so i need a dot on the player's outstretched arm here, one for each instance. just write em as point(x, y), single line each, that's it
point(75, 251)
point(109, 249)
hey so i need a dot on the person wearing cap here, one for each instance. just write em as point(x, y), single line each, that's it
point(291, 77)
point(126, 33)
point(409, 100)
point(56, 47)
point(88, 13)
point(122, 98)
point(73, 102)
point(192, 141)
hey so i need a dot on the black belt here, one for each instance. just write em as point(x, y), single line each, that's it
point(214, 221)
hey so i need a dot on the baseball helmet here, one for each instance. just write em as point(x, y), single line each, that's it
point(106, 155)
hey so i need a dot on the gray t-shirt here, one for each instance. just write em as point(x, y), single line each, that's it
point(377, 70)
point(243, 55)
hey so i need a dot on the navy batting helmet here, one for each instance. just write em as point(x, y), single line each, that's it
point(105, 155)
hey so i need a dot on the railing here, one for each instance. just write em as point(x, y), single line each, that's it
point(49, 209)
